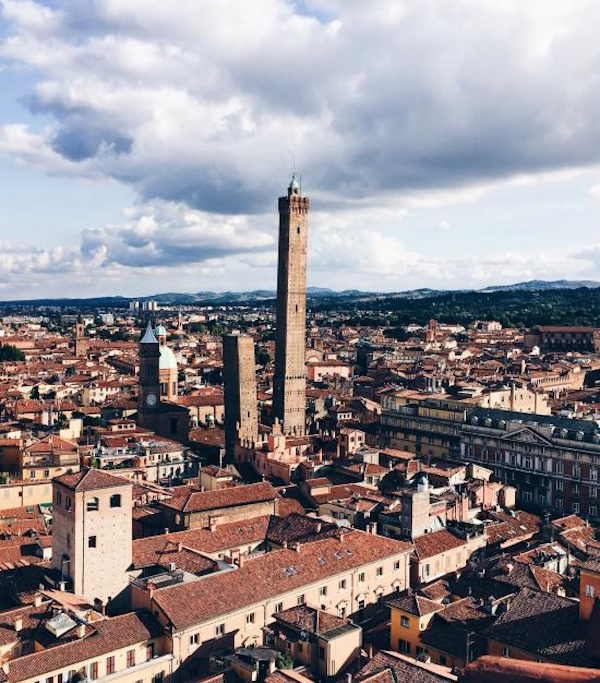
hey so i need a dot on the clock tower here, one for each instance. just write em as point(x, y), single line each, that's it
point(149, 377)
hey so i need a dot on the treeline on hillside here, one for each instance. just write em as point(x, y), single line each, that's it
point(512, 308)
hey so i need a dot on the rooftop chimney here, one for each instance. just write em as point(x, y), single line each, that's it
point(81, 631)
point(37, 601)
point(18, 624)
point(179, 547)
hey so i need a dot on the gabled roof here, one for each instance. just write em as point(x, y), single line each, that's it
point(90, 480)
point(543, 624)
point(415, 604)
point(201, 501)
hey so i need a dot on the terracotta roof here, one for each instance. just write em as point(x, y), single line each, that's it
point(391, 667)
point(545, 625)
point(90, 480)
point(224, 537)
point(108, 636)
point(415, 604)
point(435, 543)
point(269, 576)
point(297, 528)
point(200, 501)
point(309, 619)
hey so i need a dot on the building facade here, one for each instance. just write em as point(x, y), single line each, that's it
point(553, 462)
point(91, 532)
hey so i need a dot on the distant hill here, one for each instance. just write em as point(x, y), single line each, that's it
point(543, 285)
point(314, 294)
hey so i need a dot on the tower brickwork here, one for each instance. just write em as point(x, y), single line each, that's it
point(239, 382)
point(289, 388)
point(81, 343)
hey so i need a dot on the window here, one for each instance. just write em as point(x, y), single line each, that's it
point(219, 630)
point(301, 599)
point(405, 621)
point(576, 508)
point(250, 618)
point(342, 611)
point(323, 591)
point(279, 606)
point(379, 571)
point(404, 646)
point(505, 651)
point(361, 577)
point(130, 658)
point(321, 652)
point(593, 511)
point(427, 569)
point(94, 670)
point(159, 677)
point(46, 474)
point(92, 504)
point(91, 541)
point(110, 665)
point(68, 540)
point(558, 485)
point(58, 499)
point(342, 584)
point(593, 473)
point(67, 503)
point(194, 639)
point(115, 500)
point(397, 565)
point(361, 603)
point(589, 591)
point(149, 651)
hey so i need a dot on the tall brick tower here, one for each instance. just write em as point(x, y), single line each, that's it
point(289, 388)
point(239, 383)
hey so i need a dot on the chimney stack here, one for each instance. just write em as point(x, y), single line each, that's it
point(37, 601)
point(81, 631)
point(179, 547)
point(18, 624)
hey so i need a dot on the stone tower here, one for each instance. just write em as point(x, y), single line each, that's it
point(149, 375)
point(289, 385)
point(81, 343)
point(91, 532)
point(239, 380)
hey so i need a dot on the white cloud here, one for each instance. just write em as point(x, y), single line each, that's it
point(392, 111)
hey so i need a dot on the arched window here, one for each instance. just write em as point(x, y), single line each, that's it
point(92, 504)
point(115, 500)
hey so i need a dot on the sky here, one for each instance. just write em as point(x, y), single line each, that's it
point(144, 143)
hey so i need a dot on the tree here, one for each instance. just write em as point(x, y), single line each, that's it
point(261, 355)
point(10, 352)
point(284, 662)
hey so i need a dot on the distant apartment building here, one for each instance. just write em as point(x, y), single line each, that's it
point(563, 338)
